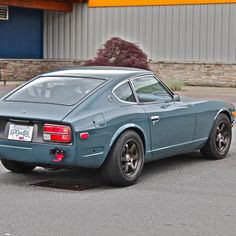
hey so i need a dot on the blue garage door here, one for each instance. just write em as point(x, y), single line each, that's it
point(22, 35)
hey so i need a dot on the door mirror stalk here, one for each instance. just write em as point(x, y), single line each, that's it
point(176, 97)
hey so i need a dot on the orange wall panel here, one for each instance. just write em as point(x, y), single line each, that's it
point(115, 3)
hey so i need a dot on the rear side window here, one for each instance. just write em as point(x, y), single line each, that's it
point(56, 90)
point(124, 93)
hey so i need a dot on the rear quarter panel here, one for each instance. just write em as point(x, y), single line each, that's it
point(104, 119)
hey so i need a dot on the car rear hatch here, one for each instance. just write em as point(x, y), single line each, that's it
point(29, 119)
point(45, 100)
point(48, 98)
point(32, 111)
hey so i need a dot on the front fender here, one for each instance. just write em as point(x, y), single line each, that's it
point(225, 111)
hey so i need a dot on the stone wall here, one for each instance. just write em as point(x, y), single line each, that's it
point(220, 75)
point(13, 70)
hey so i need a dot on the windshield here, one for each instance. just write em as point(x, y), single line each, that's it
point(55, 90)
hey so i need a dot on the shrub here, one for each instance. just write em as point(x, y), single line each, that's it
point(118, 52)
point(174, 85)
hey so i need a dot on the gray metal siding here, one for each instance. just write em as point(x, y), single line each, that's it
point(184, 33)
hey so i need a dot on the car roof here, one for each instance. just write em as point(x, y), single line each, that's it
point(102, 72)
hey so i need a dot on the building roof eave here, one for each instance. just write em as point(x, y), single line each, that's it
point(53, 5)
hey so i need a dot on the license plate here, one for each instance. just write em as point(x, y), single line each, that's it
point(20, 132)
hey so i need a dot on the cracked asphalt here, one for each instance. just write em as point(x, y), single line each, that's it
point(181, 195)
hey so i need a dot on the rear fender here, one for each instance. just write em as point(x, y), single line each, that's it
point(126, 127)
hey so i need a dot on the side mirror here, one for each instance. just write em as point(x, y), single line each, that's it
point(176, 97)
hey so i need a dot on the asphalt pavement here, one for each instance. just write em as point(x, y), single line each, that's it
point(182, 195)
point(225, 94)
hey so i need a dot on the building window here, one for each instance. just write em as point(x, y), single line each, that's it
point(4, 13)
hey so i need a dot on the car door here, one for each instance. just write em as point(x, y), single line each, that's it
point(171, 122)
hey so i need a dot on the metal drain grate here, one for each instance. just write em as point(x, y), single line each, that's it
point(63, 185)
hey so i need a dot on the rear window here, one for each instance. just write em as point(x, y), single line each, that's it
point(56, 90)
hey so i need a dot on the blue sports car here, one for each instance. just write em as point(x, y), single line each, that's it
point(110, 118)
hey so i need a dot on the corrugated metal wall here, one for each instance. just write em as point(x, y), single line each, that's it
point(186, 33)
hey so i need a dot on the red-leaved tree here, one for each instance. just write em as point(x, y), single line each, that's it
point(118, 52)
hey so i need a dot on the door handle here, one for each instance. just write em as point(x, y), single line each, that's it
point(155, 119)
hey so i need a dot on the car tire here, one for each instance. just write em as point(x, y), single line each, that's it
point(17, 167)
point(219, 141)
point(124, 162)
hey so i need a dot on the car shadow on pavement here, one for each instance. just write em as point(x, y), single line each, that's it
point(173, 164)
point(92, 178)
point(78, 176)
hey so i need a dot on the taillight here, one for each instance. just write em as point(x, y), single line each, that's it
point(57, 133)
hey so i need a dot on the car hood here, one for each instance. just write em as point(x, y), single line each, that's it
point(34, 111)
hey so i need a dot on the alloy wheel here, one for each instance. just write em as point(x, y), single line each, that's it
point(130, 159)
point(222, 137)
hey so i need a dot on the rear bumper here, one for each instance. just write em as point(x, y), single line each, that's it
point(41, 154)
